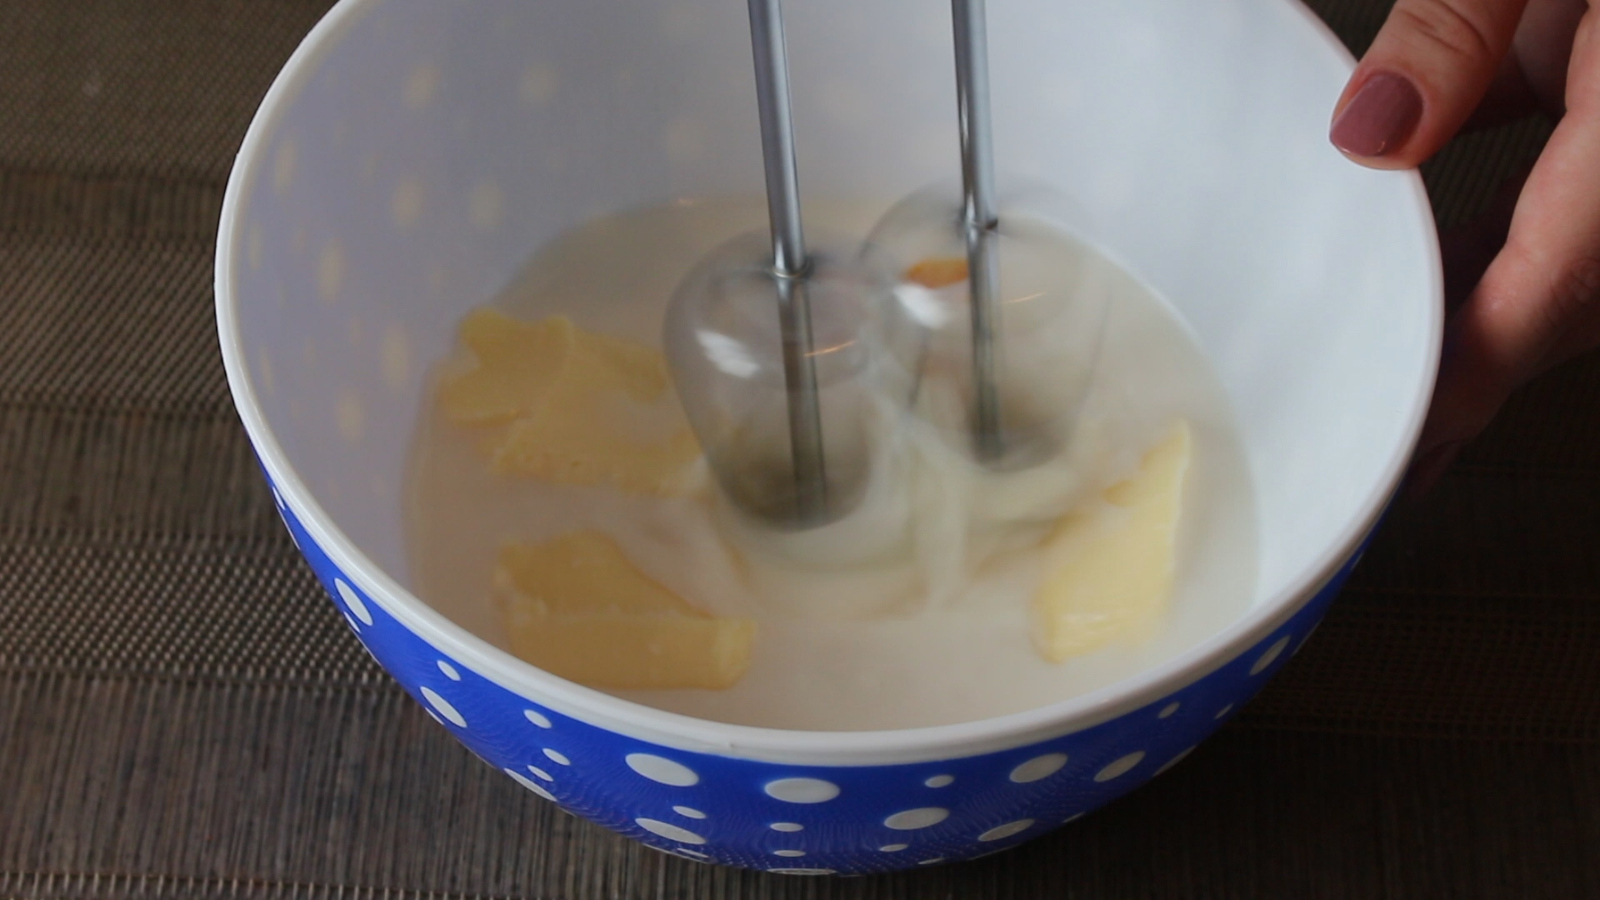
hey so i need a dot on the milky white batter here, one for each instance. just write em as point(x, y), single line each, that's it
point(848, 650)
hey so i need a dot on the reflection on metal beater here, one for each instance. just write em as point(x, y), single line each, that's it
point(789, 261)
point(979, 221)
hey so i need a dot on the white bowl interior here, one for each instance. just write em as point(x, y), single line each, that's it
point(429, 148)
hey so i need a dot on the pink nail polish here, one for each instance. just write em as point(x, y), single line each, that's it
point(1379, 118)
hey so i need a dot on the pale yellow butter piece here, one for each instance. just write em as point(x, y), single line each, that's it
point(516, 366)
point(1110, 570)
point(578, 608)
point(569, 449)
point(637, 653)
point(577, 407)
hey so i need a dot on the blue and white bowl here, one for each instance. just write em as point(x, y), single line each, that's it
point(413, 153)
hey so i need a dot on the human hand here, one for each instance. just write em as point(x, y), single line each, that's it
point(1523, 286)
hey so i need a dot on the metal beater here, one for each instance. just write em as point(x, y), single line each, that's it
point(806, 467)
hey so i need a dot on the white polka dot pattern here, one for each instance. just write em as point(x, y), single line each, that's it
point(443, 707)
point(284, 164)
point(1121, 767)
point(486, 206)
point(254, 247)
point(405, 207)
point(330, 271)
point(802, 790)
point(422, 86)
point(538, 84)
point(1174, 761)
point(395, 357)
point(914, 819)
point(669, 831)
point(1001, 832)
point(1018, 789)
point(1271, 656)
point(805, 790)
point(1038, 768)
point(528, 783)
point(661, 769)
point(353, 601)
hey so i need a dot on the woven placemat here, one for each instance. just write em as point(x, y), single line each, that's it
point(182, 713)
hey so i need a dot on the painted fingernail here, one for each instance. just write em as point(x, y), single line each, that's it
point(1379, 118)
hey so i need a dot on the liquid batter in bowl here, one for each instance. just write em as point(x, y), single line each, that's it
point(859, 651)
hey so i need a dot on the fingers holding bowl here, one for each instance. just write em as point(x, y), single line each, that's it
point(1429, 68)
point(1538, 302)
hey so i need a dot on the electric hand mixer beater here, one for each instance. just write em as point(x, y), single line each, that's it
point(782, 353)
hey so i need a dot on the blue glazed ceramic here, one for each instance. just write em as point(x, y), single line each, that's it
point(413, 153)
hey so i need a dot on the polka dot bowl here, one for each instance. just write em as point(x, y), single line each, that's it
point(413, 153)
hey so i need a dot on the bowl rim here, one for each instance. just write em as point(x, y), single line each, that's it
point(688, 733)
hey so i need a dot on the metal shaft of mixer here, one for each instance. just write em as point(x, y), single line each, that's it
point(979, 218)
point(789, 262)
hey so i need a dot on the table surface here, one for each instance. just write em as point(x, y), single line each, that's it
point(183, 714)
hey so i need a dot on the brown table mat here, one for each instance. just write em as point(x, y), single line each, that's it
point(183, 714)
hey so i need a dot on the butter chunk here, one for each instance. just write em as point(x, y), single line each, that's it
point(578, 608)
point(567, 449)
point(1109, 571)
point(613, 652)
point(516, 365)
point(576, 407)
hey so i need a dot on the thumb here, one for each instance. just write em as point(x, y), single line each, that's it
point(1426, 72)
